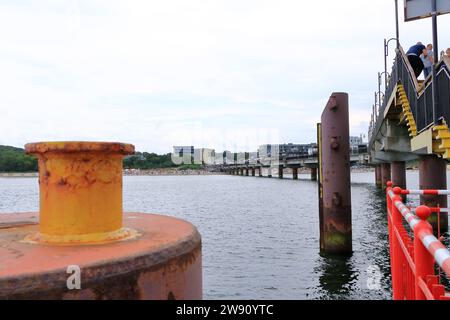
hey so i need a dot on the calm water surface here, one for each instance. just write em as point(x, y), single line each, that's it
point(260, 236)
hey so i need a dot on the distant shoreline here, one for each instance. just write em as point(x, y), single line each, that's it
point(168, 172)
point(127, 172)
point(19, 174)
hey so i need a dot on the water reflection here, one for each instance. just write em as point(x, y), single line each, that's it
point(336, 276)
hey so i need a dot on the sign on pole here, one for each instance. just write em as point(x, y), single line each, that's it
point(420, 9)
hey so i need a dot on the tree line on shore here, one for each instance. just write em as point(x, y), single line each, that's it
point(15, 160)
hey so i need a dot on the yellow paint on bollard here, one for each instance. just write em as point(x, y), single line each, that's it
point(80, 186)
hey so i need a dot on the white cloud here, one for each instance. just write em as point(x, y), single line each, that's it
point(139, 71)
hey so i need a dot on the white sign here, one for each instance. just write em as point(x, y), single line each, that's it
point(419, 9)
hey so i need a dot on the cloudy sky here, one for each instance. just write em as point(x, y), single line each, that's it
point(226, 74)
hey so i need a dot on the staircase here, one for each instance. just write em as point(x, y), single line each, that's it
point(441, 141)
point(407, 115)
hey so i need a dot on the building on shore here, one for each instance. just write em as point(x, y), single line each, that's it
point(191, 155)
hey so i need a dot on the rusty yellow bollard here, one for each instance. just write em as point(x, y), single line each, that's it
point(81, 191)
point(81, 226)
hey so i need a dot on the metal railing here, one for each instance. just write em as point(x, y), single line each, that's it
point(414, 256)
point(420, 96)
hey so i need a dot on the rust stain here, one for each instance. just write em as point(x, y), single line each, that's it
point(81, 199)
point(164, 263)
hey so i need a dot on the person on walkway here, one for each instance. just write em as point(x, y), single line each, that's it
point(428, 60)
point(414, 59)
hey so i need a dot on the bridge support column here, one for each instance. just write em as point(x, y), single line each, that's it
point(313, 174)
point(378, 179)
point(398, 174)
point(433, 175)
point(280, 171)
point(269, 172)
point(295, 173)
point(253, 172)
point(385, 175)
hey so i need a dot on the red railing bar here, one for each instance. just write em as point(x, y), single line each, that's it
point(405, 251)
point(425, 192)
point(438, 251)
point(435, 210)
point(426, 291)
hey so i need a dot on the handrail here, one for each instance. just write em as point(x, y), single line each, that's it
point(437, 250)
point(413, 258)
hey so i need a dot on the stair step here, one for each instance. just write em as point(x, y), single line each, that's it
point(440, 128)
point(445, 144)
point(443, 135)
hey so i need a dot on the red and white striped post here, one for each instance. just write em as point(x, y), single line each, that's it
point(423, 260)
point(397, 254)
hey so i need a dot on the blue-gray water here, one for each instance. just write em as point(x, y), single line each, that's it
point(260, 236)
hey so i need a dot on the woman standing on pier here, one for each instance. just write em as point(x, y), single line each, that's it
point(428, 60)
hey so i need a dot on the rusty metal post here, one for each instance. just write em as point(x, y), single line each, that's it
point(385, 175)
point(398, 174)
point(280, 171)
point(378, 180)
point(295, 173)
point(336, 229)
point(313, 174)
point(81, 232)
point(433, 175)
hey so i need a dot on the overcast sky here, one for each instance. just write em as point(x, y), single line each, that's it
point(225, 74)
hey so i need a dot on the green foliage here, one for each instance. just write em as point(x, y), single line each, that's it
point(190, 167)
point(145, 161)
point(15, 160)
